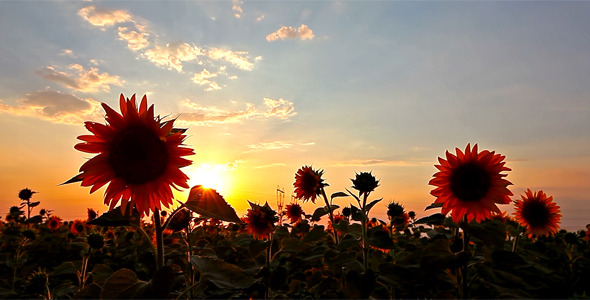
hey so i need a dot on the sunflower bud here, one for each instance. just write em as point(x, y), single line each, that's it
point(365, 182)
point(25, 194)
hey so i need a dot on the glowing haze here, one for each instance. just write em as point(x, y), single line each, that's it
point(266, 87)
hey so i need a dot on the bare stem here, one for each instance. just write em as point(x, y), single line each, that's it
point(331, 214)
point(159, 240)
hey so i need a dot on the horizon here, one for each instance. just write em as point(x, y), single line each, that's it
point(265, 88)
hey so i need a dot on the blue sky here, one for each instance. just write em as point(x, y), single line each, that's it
point(268, 86)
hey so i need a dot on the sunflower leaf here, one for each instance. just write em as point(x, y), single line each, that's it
point(224, 275)
point(208, 203)
point(435, 219)
point(370, 205)
point(338, 194)
point(76, 178)
point(116, 218)
point(433, 205)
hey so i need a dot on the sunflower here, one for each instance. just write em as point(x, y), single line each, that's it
point(538, 213)
point(365, 182)
point(25, 194)
point(293, 211)
point(471, 183)
point(54, 223)
point(260, 220)
point(308, 183)
point(77, 227)
point(139, 155)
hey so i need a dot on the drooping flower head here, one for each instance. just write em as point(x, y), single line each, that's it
point(397, 215)
point(92, 214)
point(53, 223)
point(180, 220)
point(25, 194)
point(308, 183)
point(139, 156)
point(538, 213)
point(365, 183)
point(77, 227)
point(294, 212)
point(471, 183)
point(260, 220)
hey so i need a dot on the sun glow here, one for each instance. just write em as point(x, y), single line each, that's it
point(210, 176)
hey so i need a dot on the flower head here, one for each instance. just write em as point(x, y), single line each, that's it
point(180, 220)
point(95, 240)
point(77, 227)
point(365, 182)
point(260, 220)
point(54, 222)
point(138, 155)
point(538, 213)
point(397, 215)
point(293, 212)
point(471, 183)
point(91, 214)
point(25, 194)
point(308, 183)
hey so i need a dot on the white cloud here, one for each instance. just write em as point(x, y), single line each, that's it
point(237, 8)
point(104, 17)
point(80, 79)
point(259, 19)
point(239, 59)
point(270, 166)
point(203, 78)
point(380, 162)
point(136, 40)
point(283, 33)
point(200, 115)
point(172, 55)
point(55, 107)
point(275, 145)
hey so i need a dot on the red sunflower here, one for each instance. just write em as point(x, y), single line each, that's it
point(260, 220)
point(54, 223)
point(294, 212)
point(471, 183)
point(538, 213)
point(308, 183)
point(139, 155)
point(77, 227)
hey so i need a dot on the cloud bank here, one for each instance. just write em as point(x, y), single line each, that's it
point(283, 33)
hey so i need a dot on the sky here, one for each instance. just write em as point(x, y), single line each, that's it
point(265, 87)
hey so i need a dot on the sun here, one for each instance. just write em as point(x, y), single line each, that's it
point(214, 176)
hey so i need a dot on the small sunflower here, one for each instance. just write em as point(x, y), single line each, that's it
point(260, 220)
point(471, 183)
point(294, 212)
point(77, 227)
point(25, 194)
point(53, 223)
point(365, 182)
point(308, 183)
point(538, 213)
point(138, 155)
point(180, 220)
point(92, 214)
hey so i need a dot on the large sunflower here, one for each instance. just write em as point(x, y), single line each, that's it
point(471, 184)
point(139, 155)
point(308, 183)
point(538, 213)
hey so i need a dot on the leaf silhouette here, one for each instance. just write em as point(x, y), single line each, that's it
point(208, 203)
point(222, 274)
point(116, 218)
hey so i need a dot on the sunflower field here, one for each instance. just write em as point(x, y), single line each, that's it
point(201, 248)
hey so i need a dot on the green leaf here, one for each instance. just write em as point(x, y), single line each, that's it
point(315, 234)
point(377, 237)
point(433, 205)
point(338, 194)
point(116, 218)
point(35, 219)
point(370, 205)
point(123, 284)
point(356, 213)
point(322, 211)
point(100, 273)
point(223, 275)
point(490, 232)
point(435, 219)
point(33, 204)
point(67, 267)
point(208, 203)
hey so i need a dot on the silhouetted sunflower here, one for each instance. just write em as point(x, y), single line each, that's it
point(365, 182)
point(77, 227)
point(180, 220)
point(53, 223)
point(308, 183)
point(538, 213)
point(294, 212)
point(471, 184)
point(25, 194)
point(139, 155)
point(260, 220)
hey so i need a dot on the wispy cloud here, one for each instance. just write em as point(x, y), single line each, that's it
point(380, 162)
point(275, 145)
point(55, 107)
point(203, 78)
point(104, 17)
point(237, 8)
point(283, 33)
point(197, 114)
point(270, 166)
point(239, 59)
point(172, 55)
point(80, 79)
point(136, 39)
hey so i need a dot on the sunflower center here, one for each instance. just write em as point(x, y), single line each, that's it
point(470, 182)
point(137, 155)
point(535, 213)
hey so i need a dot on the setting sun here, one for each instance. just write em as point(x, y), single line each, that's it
point(213, 176)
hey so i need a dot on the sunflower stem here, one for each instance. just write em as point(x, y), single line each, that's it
point(464, 277)
point(331, 215)
point(159, 240)
point(364, 233)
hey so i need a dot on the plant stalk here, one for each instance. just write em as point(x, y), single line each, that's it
point(331, 215)
point(159, 240)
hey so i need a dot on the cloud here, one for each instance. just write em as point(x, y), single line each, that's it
point(380, 162)
point(259, 19)
point(275, 145)
point(104, 17)
point(203, 77)
point(302, 33)
point(199, 115)
point(136, 40)
point(239, 59)
point(237, 8)
point(80, 79)
point(281, 108)
point(55, 107)
point(172, 55)
point(270, 166)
